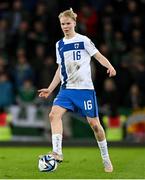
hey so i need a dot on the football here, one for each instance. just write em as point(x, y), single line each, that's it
point(47, 163)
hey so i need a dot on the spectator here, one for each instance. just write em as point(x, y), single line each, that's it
point(123, 81)
point(20, 37)
point(37, 58)
point(107, 35)
point(88, 21)
point(109, 99)
point(136, 38)
point(6, 91)
point(47, 74)
point(5, 67)
point(41, 13)
point(133, 57)
point(131, 11)
point(140, 75)
point(135, 99)
point(137, 23)
point(22, 70)
point(119, 48)
point(38, 34)
point(27, 94)
point(16, 15)
point(4, 36)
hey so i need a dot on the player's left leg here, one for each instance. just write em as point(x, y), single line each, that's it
point(102, 143)
point(86, 103)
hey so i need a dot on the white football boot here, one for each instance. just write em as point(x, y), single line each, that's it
point(57, 157)
point(108, 167)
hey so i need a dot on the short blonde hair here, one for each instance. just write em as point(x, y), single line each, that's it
point(68, 13)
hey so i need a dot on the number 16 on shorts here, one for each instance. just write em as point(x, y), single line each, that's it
point(88, 105)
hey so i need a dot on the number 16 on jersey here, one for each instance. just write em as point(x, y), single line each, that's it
point(88, 105)
point(76, 55)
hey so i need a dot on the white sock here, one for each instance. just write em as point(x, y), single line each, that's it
point(103, 149)
point(57, 143)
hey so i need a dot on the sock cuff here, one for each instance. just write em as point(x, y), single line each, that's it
point(56, 135)
point(102, 143)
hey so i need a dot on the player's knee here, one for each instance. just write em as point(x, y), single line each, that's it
point(93, 122)
point(52, 115)
point(95, 125)
point(96, 128)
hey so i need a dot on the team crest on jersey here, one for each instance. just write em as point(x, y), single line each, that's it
point(76, 45)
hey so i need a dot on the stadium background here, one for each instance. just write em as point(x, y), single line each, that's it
point(29, 30)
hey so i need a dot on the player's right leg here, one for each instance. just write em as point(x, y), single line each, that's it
point(55, 118)
point(61, 104)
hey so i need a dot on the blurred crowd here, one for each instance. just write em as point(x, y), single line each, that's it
point(29, 30)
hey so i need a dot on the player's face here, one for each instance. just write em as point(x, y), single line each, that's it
point(67, 25)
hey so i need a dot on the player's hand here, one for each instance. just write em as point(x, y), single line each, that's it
point(44, 93)
point(111, 71)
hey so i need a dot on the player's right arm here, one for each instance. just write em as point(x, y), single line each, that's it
point(47, 91)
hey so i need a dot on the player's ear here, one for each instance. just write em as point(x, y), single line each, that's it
point(74, 23)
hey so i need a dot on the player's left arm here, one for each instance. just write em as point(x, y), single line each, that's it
point(104, 62)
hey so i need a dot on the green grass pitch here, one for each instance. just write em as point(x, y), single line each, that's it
point(79, 163)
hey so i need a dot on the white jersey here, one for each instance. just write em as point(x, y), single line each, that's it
point(74, 56)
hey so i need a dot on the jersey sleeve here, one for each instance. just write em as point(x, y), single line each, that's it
point(90, 47)
point(58, 60)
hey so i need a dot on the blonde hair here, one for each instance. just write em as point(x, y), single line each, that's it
point(68, 13)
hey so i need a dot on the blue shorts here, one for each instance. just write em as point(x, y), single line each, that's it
point(83, 101)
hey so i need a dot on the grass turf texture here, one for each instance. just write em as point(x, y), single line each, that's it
point(79, 163)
